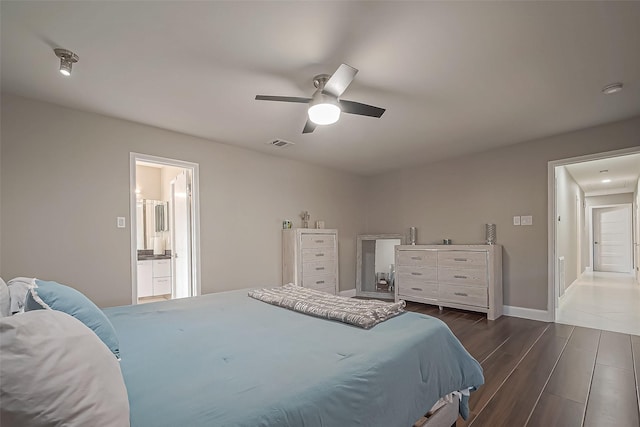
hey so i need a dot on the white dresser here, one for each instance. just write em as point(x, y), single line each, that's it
point(468, 277)
point(310, 258)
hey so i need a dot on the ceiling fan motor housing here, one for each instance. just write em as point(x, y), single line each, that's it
point(320, 80)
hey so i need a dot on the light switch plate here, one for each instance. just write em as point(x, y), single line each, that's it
point(516, 220)
point(121, 222)
point(526, 220)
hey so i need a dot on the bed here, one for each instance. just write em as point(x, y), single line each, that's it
point(229, 360)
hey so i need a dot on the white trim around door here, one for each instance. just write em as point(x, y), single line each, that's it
point(552, 287)
point(195, 217)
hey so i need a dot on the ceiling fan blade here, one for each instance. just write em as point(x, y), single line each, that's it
point(309, 127)
point(340, 80)
point(283, 98)
point(353, 107)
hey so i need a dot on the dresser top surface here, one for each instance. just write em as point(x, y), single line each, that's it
point(310, 230)
point(447, 247)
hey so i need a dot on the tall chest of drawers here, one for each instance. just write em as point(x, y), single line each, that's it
point(310, 258)
point(468, 277)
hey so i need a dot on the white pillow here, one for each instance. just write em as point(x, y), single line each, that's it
point(55, 371)
point(18, 289)
point(5, 299)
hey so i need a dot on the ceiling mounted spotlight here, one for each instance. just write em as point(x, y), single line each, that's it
point(67, 59)
point(612, 88)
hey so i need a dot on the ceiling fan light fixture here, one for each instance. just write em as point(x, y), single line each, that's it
point(67, 59)
point(324, 113)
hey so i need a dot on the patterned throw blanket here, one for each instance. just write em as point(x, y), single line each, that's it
point(361, 313)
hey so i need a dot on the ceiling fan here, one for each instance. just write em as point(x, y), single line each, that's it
point(325, 105)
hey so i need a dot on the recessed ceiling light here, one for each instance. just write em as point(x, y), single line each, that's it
point(605, 180)
point(612, 88)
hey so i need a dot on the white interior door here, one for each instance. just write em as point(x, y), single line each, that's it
point(181, 198)
point(612, 239)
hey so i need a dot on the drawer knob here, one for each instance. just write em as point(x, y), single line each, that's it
point(460, 259)
point(416, 257)
point(319, 241)
point(413, 273)
point(319, 268)
point(417, 289)
point(319, 254)
point(462, 294)
point(460, 277)
point(319, 282)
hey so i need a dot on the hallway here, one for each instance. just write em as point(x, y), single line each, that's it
point(599, 300)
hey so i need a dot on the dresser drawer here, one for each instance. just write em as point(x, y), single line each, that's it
point(421, 258)
point(319, 282)
point(421, 290)
point(417, 273)
point(326, 266)
point(318, 241)
point(319, 254)
point(467, 276)
point(162, 286)
point(462, 259)
point(469, 295)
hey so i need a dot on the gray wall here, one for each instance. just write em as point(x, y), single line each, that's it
point(569, 202)
point(65, 179)
point(455, 198)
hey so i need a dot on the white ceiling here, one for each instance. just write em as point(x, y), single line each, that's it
point(455, 77)
point(623, 172)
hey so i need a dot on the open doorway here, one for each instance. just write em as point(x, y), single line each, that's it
point(164, 229)
point(594, 253)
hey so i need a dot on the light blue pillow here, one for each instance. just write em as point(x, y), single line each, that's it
point(54, 296)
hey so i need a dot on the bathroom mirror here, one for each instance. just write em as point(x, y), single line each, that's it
point(375, 265)
point(152, 217)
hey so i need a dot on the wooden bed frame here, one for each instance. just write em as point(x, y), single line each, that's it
point(446, 416)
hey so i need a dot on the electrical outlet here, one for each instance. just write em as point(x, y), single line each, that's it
point(526, 220)
point(121, 222)
point(516, 220)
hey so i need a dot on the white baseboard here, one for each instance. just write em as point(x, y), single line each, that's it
point(527, 313)
point(348, 293)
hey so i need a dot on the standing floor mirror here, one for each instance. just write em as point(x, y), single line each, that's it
point(375, 265)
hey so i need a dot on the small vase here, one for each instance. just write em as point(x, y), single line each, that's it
point(490, 230)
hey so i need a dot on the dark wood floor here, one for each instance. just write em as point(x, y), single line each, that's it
point(547, 374)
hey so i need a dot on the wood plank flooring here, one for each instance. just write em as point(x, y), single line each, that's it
point(541, 374)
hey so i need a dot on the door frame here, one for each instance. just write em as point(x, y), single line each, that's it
point(592, 248)
point(195, 217)
point(552, 283)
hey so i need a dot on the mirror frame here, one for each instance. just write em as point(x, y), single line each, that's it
point(359, 239)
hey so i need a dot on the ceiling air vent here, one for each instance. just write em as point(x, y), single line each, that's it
point(280, 143)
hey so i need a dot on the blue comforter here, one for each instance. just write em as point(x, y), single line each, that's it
point(229, 360)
